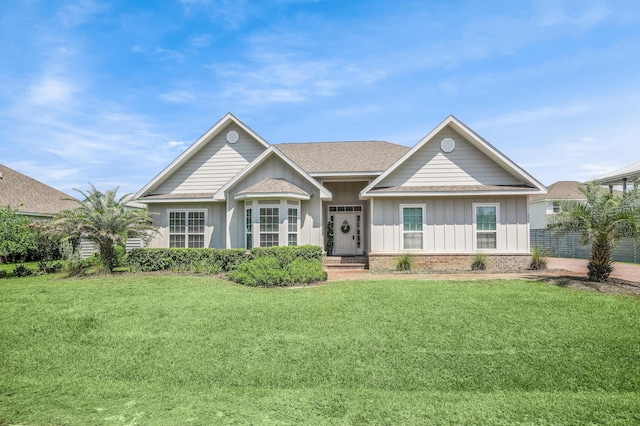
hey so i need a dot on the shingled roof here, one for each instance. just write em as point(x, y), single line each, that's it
point(561, 190)
point(29, 196)
point(343, 157)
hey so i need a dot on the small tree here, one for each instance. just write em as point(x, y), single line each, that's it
point(17, 238)
point(105, 220)
point(601, 221)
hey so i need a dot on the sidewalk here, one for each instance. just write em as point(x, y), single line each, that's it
point(555, 267)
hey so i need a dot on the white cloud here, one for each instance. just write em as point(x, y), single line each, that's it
point(178, 96)
point(49, 90)
point(74, 13)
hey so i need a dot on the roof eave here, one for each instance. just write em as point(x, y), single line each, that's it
point(273, 195)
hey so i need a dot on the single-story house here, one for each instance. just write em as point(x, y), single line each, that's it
point(30, 197)
point(449, 197)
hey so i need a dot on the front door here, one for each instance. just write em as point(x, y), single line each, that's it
point(344, 234)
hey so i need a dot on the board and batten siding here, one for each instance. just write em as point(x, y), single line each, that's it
point(214, 165)
point(310, 212)
point(465, 165)
point(449, 224)
point(215, 235)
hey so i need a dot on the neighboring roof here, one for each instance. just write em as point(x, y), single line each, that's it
point(195, 147)
point(273, 187)
point(31, 197)
point(561, 190)
point(325, 194)
point(534, 187)
point(630, 173)
point(368, 157)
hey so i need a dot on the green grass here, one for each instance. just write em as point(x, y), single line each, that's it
point(172, 349)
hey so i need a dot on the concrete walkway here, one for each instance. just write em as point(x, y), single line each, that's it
point(555, 267)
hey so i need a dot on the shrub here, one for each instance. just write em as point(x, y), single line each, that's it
point(263, 271)
point(45, 267)
point(287, 254)
point(479, 262)
point(538, 259)
point(22, 271)
point(404, 262)
point(303, 271)
point(185, 260)
point(3, 273)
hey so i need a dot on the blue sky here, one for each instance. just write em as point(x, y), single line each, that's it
point(110, 92)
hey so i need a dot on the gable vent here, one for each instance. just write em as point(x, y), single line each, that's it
point(447, 145)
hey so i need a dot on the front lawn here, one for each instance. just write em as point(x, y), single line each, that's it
point(134, 349)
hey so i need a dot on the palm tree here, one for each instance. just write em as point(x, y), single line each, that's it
point(601, 221)
point(105, 220)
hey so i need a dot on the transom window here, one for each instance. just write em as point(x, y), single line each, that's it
point(187, 229)
point(486, 222)
point(412, 227)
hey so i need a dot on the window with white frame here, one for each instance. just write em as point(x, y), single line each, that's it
point(412, 226)
point(187, 228)
point(269, 226)
point(292, 225)
point(248, 225)
point(486, 217)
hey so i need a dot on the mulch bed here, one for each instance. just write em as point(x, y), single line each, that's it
point(613, 285)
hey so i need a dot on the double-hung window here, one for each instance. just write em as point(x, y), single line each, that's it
point(412, 226)
point(187, 228)
point(292, 231)
point(486, 217)
point(269, 226)
point(248, 225)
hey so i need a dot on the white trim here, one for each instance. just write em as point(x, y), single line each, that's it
point(174, 200)
point(475, 229)
point(472, 137)
point(186, 230)
point(275, 195)
point(424, 225)
point(195, 147)
point(397, 194)
point(220, 195)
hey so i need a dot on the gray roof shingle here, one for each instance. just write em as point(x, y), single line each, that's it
point(29, 196)
point(274, 186)
point(348, 157)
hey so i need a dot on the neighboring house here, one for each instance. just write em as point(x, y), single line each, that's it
point(31, 197)
point(543, 207)
point(450, 196)
point(622, 178)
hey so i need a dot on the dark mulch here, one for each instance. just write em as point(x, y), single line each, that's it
point(613, 285)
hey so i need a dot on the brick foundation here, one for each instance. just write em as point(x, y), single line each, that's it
point(451, 262)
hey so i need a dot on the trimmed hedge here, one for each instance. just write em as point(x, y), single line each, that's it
point(208, 260)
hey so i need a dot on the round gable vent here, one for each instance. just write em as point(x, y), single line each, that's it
point(232, 136)
point(448, 145)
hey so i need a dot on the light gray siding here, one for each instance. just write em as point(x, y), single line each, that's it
point(215, 220)
point(214, 165)
point(465, 165)
point(310, 231)
point(449, 225)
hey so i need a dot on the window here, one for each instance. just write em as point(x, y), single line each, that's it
point(269, 221)
point(412, 227)
point(486, 221)
point(248, 217)
point(186, 229)
point(292, 226)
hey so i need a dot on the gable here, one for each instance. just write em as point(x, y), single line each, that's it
point(213, 165)
point(209, 163)
point(453, 160)
point(465, 165)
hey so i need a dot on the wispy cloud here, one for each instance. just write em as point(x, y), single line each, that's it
point(178, 96)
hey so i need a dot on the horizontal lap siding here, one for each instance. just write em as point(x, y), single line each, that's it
point(214, 165)
point(466, 165)
point(449, 224)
